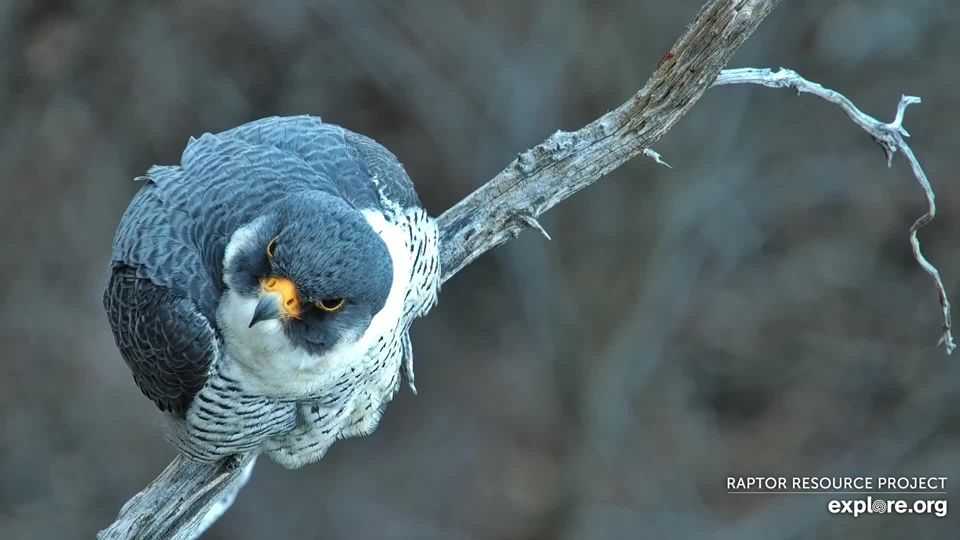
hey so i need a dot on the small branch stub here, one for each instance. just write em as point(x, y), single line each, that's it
point(655, 156)
point(530, 221)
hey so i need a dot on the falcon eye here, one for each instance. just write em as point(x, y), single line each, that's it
point(331, 305)
point(272, 247)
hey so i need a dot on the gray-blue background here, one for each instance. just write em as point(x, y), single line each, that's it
point(754, 311)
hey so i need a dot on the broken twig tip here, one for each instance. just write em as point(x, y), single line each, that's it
point(947, 341)
point(905, 101)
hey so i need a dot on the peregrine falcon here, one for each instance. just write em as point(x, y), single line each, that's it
point(262, 291)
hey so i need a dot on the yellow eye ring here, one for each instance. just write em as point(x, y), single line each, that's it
point(272, 247)
point(332, 304)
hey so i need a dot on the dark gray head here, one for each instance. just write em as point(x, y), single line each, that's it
point(314, 263)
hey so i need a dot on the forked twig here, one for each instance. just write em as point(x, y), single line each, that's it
point(890, 137)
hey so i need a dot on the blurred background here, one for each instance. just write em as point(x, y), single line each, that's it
point(756, 311)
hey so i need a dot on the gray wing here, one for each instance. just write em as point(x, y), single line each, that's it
point(162, 292)
point(164, 339)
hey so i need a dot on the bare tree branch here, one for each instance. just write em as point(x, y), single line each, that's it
point(569, 161)
point(890, 137)
point(181, 502)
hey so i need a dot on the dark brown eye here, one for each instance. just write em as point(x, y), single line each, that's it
point(332, 304)
point(272, 248)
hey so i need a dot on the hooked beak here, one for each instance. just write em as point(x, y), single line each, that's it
point(268, 308)
point(278, 300)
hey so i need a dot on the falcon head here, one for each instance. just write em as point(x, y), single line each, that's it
point(311, 269)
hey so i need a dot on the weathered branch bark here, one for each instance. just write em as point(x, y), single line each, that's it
point(174, 506)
